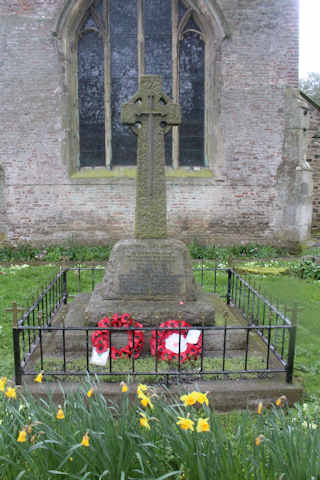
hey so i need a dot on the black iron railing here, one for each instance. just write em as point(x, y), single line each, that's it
point(225, 349)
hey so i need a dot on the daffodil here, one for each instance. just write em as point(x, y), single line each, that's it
point(90, 393)
point(11, 392)
point(259, 440)
point(259, 409)
point(22, 437)
point(146, 402)
point(189, 399)
point(185, 423)
point(39, 378)
point(124, 387)
point(200, 397)
point(144, 422)
point(281, 400)
point(203, 425)
point(85, 442)
point(3, 382)
point(60, 414)
point(141, 389)
point(194, 397)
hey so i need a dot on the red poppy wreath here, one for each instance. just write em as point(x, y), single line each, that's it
point(101, 338)
point(166, 342)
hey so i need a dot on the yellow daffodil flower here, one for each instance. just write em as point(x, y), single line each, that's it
point(3, 381)
point(281, 400)
point(39, 378)
point(22, 437)
point(90, 393)
point(259, 409)
point(144, 422)
point(203, 425)
point(200, 397)
point(85, 442)
point(194, 397)
point(11, 392)
point(259, 440)
point(185, 423)
point(189, 399)
point(60, 414)
point(141, 389)
point(124, 387)
point(146, 402)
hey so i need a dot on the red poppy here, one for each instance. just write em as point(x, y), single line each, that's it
point(101, 338)
point(158, 341)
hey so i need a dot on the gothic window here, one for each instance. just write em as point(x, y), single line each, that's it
point(118, 40)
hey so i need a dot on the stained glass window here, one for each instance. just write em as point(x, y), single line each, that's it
point(120, 39)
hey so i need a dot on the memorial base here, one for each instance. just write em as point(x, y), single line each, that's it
point(152, 313)
point(152, 280)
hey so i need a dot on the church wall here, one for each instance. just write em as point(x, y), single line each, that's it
point(252, 175)
point(313, 158)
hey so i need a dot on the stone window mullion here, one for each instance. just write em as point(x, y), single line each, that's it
point(175, 79)
point(107, 86)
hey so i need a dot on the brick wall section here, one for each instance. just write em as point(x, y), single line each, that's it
point(244, 201)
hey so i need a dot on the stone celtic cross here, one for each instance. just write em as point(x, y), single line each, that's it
point(151, 114)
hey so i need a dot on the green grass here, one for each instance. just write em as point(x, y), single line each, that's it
point(144, 364)
point(289, 290)
point(18, 284)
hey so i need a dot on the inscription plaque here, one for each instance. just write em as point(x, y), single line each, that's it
point(149, 270)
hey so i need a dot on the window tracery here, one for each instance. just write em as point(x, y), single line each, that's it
point(117, 41)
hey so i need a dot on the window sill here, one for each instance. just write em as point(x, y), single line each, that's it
point(131, 172)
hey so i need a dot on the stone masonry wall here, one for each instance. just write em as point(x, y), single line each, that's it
point(245, 200)
point(313, 158)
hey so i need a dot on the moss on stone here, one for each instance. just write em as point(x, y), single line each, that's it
point(183, 172)
point(131, 172)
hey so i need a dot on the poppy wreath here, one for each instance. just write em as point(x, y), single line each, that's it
point(101, 338)
point(192, 351)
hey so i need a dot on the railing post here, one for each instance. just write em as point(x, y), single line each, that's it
point(16, 353)
point(16, 340)
point(292, 345)
point(229, 286)
point(64, 287)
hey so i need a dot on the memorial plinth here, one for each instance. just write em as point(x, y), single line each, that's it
point(150, 276)
point(153, 281)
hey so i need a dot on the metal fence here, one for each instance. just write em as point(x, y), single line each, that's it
point(223, 350)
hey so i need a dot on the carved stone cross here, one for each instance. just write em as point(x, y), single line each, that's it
point(151, 114)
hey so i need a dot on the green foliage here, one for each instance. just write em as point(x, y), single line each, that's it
point(272, 267)
point(55, 253)
point(120, 447)
point(306, 269)
point(212, 252)
point(311, 86)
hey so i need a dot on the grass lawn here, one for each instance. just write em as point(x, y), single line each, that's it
point(306, 294)
point(18, 283)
